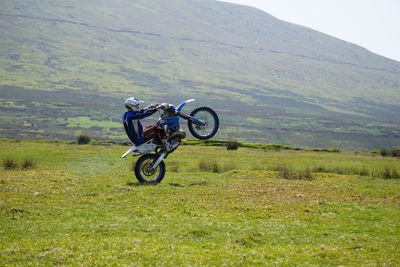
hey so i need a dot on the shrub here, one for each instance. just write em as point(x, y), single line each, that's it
point(10, 164)
point(374, 153)
point(275, 147)
point(395, 152)
point(332, 149)
point(83, 139)
point(384, 152)
point(232, 145)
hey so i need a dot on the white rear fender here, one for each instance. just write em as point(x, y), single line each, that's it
point(129, 151)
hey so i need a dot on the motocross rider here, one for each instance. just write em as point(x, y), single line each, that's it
point(134, 128)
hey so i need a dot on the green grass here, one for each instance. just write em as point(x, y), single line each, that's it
point(81, 205)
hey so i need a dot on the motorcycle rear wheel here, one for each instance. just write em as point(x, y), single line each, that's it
point(145, 174)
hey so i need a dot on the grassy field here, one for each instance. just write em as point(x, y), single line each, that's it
point(81, 205)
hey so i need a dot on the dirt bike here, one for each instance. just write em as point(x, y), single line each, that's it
point(165, 136)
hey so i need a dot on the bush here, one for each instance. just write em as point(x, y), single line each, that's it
point(395, 152)
point(232, 145)
point(10, 164)
point(332, 149)
point(384, 152)
point(374, 153)
point(83, 139)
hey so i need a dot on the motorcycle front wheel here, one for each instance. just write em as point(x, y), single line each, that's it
point(208, 116)
point(144, 171)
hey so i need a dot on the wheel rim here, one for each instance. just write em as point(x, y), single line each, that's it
point(208, 118)
point(148, 173)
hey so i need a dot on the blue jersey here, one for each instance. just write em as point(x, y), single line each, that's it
point(132, 125)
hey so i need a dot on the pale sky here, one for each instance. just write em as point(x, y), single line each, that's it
point(372, 24)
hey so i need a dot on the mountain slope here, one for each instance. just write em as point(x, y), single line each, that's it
point(270, 80)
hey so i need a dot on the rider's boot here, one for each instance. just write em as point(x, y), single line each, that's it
point(177, 135)
point(170, 144)
point(174, 139)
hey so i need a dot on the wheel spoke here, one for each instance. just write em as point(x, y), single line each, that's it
point(148, 173)
point(208, 119)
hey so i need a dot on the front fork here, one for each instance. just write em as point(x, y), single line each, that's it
point(193, 119)
point(159, 160)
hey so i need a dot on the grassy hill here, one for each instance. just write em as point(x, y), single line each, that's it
point(65, 68)
point(81, 205)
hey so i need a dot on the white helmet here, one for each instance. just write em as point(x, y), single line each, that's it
point(133, 103)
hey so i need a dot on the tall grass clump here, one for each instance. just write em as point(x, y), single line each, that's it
point(10, 164)
point(289, 173)
point(28, 164)
point(207, 165)
point(173, 166)
point(228, 166)
point(390, 173)
point(340, 170)
point(386, 173)
point(83, 139)
point(320, 168)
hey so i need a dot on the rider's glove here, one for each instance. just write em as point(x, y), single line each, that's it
point(164, 106)
point(167, 108)
point(150, 107)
